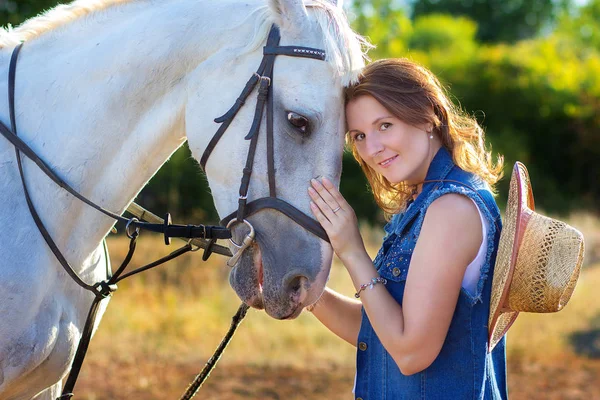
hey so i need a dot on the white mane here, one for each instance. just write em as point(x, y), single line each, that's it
point(52, 19)
point(345, 49)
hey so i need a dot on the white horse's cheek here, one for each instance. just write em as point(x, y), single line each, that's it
point(323, 275)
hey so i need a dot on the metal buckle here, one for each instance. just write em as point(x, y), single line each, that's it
point(194, 246)
point(240, 247)
point(136, 232)
point(266, 78)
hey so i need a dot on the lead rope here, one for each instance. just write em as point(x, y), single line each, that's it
point(199, 380)
point(212, 362)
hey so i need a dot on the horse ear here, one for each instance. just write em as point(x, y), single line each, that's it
point(288, 13)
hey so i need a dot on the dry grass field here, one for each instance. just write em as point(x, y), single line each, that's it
point(162, 326)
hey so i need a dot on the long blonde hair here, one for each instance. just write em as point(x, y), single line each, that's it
point(413, 94)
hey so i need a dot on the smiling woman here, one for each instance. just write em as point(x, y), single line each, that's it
point(420, 325)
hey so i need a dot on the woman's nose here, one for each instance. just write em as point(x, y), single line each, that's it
point(374, 145)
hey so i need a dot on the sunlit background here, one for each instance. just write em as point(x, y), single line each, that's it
point(528, 70)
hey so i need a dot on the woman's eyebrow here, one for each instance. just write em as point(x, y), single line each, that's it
point(380, 118)
point(372, 123)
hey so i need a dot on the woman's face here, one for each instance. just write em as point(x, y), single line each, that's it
point(398, 151)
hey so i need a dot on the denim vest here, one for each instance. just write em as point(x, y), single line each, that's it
point(463, 369)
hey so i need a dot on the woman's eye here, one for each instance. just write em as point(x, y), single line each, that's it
point(358, 137)
point(385, 126)
point(299, 122)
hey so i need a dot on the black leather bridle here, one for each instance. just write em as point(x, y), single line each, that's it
point(264, 75)
point(104, 289)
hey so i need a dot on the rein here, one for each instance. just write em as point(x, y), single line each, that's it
point(199, 236)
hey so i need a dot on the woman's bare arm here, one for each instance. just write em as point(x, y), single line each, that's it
point(340, 314)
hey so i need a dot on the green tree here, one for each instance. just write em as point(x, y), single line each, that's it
point(498, 20)
point(384, 23)
point(16, 11)
point(583, 25)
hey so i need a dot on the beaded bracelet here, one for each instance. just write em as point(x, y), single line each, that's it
point(370, 285)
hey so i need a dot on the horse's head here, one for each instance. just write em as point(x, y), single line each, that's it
point(287, 266)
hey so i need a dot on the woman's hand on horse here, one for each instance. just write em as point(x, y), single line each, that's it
point(337, 218)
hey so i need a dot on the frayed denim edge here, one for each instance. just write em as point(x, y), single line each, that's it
point(451, 188)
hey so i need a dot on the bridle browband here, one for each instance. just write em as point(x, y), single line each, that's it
point(264, 78)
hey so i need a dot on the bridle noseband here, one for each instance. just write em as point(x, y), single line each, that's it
point(264, 78)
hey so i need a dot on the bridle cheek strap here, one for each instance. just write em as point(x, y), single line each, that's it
point(264, 75)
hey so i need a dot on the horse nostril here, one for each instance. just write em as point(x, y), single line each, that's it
point(296, 288)
point(295, 284)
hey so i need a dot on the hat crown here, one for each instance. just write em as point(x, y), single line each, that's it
point(547, 267)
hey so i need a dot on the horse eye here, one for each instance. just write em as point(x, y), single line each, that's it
point(298, 121)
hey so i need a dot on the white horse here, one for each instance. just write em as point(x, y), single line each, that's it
point(106, 91)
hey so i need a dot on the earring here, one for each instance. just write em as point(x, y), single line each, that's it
point(430, 136)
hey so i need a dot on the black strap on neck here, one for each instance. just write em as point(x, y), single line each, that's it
point(264, 75)
point(167, 229)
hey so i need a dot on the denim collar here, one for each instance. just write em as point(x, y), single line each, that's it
point(439, 168)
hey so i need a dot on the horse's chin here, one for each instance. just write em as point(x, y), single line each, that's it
point(252, 282)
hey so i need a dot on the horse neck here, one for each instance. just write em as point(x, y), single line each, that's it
point(103, 102)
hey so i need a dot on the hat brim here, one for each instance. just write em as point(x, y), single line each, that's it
point(520, 201)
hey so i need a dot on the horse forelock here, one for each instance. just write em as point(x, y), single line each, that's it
point(346, 50)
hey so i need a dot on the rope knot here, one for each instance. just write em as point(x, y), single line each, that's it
point(104, 289)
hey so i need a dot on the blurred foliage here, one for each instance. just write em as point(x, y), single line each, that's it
point(538, 99)
point(529, 70)
point(16, 11)
point(583, 25)
point(498, 20)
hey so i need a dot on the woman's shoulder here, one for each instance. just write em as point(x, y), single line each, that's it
point(460, 211)
point(458, 176)
point(468, 185)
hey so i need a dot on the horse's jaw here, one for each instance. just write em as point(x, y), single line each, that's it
point(282, 280)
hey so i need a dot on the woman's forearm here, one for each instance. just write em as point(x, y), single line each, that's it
point(385, 314)
point(340, 314)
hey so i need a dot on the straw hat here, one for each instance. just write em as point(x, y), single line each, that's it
point(538, 261)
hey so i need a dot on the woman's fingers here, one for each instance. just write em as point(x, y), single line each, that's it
point(321, 204)
point(320, 216)
point(325, 194)
point(335, 194)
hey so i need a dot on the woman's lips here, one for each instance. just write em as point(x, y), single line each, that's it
point(388, 161)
